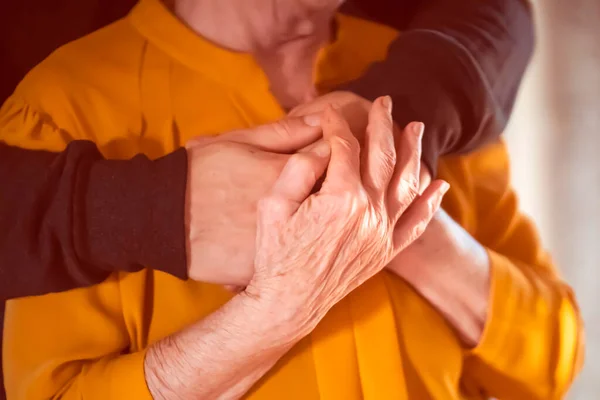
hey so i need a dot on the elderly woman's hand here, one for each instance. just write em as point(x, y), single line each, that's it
point(227, 176)
point(312, 250)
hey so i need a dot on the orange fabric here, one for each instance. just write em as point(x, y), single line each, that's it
point(533, 343)
point(147, 83)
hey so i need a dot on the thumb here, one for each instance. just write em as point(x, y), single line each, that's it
point(284, 136)
point(299, 176)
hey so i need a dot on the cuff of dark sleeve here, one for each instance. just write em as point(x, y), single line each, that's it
point(132, 214)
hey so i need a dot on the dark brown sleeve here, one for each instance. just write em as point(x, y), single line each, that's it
point(70, 219)
point(456, 66)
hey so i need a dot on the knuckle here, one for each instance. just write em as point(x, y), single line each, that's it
point(354, 201)
point(406, 192)
point(388, 153)
point(409, 188)
point(382, 124)
point(387, 161)
point(283, 128)
point(346, 143)
point(341, 143)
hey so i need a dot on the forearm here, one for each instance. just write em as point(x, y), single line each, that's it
point(69, 219)
point(453, 276)
point(37, 211)
point(455, 66)
point(221, 356)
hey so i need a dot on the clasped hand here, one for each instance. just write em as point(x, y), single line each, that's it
point(367, 192)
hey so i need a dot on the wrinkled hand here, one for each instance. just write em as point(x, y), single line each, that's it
point(312, 250)
point(227, 175)
point(355, 109)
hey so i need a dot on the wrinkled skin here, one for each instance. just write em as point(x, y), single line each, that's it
point(227, 175)
point(312, 250)
point(231, 172)
point(355, 110)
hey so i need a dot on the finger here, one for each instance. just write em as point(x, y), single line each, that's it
point(284, 136)
point(413, 222)
point(379, 155)
point(424, 178)
point(298, 178)
point(344, 166)
point(319, 183)
point(404, 184)
point(310, 147)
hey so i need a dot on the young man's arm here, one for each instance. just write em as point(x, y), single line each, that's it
point(456, 66)
point(69, 219)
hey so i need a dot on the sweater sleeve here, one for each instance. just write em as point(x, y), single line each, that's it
point(69, 217)
point(532, 345)
point(456, 67)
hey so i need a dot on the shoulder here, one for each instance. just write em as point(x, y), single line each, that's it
point(82, 75)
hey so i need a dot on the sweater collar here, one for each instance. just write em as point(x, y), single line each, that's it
point(164, 30)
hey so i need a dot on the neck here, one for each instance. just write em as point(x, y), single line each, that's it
point(283, 35)
point(246, 25)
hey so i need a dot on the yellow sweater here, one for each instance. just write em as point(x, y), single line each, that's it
point(146, 83)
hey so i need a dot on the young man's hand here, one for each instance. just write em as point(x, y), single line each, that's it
point(227, 175)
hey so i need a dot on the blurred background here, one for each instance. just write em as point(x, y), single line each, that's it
point(554, 140)
point(554, 134)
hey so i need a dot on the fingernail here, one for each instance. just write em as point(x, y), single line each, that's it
point(387, 103)
point(418, 129)
point(444, 188)
point(322, 149)
point(312, 119)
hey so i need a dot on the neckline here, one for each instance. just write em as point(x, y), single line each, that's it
point(163, 29)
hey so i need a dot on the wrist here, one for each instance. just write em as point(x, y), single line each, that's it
point(134, 214)
point(202, 360)
point(160, 370)
point(276, 317)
